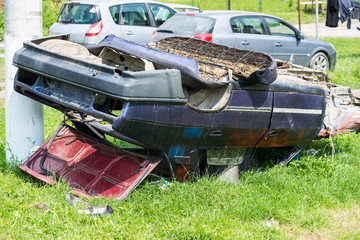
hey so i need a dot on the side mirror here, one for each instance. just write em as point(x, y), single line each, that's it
point(299, 35)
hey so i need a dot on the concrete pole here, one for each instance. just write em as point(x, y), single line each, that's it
point(317, 19)
point(24, 118)
point(299, 14)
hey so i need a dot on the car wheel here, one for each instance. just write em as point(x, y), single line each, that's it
point(319, 62)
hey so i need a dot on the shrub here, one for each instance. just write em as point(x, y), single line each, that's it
point(50, 11)
point(2, 24)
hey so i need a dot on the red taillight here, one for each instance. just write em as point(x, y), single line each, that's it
point(204, 36)
point(94, 29)
point(153, 35)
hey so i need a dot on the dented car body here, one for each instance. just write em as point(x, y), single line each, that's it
point(191, 105)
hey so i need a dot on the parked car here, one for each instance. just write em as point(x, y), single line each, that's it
point(252, 31)
point(88, 22)
point(184, 8)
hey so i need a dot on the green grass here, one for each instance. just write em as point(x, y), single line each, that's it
point(347, 71)
point(316, 197)
point(286, 9)
point(2, 70)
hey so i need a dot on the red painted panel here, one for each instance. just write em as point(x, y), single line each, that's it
point(90, 166)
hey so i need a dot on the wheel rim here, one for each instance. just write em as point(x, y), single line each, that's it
point(321, 63)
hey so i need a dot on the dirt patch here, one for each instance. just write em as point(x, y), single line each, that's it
point(2, 90)
point(340, 223)
point(348, 220)
point(294, 232)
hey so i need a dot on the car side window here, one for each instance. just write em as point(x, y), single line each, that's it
point(251, 25)
point(279, 28)
point(115, 13)
point(161, 13)
point(78, 13)
point(235, 25)
point(135, 14)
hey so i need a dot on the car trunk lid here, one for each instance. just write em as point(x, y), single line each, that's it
point(89, 166)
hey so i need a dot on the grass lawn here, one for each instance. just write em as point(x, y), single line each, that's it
point(286, 9)
point(316, 197)
point(2, 71)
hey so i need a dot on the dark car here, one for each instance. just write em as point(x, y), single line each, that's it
point(252, 31)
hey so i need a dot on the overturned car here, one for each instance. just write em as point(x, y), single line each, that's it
point(186, 106)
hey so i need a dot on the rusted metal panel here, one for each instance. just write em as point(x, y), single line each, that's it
point(342, 113)
point(89, 166)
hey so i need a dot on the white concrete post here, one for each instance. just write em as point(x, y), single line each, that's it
point(317, 19)
point(24, 118)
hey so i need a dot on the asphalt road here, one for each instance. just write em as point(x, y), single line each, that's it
point(340, 31)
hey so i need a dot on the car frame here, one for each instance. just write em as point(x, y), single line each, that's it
point(291, 45)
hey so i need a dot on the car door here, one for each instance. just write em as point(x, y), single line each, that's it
point(243, 122)
point(286, 41)
point(133, 22)
point(296, 118)
point(250, 34)
point(160, 13)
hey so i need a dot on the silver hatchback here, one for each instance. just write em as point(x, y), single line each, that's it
point(252, 31)
point(88, 22)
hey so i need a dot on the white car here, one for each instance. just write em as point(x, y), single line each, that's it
point(89, 21)
point(184, 8)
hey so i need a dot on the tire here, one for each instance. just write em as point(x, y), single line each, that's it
point(319, 62)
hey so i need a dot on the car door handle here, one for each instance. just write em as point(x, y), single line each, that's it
point(245, 43)
point(278, 44)
point(129, 33)
point(216, 133)
point(272, 133)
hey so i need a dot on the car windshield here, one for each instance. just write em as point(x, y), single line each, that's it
point(188, 25)
point(183, 9)
point(78, 14)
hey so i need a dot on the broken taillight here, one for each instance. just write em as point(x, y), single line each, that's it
point(204, 36)
point(94, 29)
point(153, 36)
